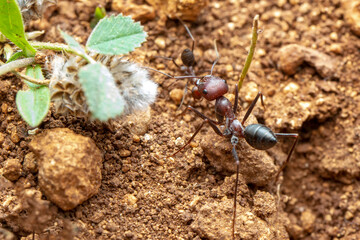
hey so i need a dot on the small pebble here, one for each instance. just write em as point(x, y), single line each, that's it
point(336, 48)
point(130, 199)
point(125, 153)
point(136, 138)
point(29, 163)
point(334, 36)
point(160, 42)
point(176, 95)
point(291, 87)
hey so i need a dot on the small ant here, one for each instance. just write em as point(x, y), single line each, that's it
point(188, 60)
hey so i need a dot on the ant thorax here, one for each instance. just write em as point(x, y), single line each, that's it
point(237, 128)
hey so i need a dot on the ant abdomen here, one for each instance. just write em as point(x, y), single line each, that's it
point(187, 57)
point(259, 136)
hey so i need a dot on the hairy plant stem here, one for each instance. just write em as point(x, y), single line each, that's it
point(11, 66)
point(251, 51)
point(27, 78)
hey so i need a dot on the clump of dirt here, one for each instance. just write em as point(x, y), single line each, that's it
point(144, 195)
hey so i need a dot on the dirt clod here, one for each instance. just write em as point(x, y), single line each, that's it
point(290, 57)
point(69, 166)
point(12, 169)
point(352, 14)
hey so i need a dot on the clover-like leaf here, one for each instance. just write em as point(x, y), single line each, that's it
point(11, 25)
point(116, 35)
point(73, 43)
point(34, 103)
point(101, 93)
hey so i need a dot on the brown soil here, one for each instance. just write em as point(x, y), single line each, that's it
point(146, 196)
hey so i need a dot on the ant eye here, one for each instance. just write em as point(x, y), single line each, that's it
point(205, 91)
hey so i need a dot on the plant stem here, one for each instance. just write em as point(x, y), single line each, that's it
point(27, 78)
point(60, 47)
point(251, 52)
point(53, 46)
point(11, 66)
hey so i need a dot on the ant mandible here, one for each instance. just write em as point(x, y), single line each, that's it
point(257, 136)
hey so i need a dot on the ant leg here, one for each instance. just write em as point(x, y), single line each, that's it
point(184, 94)
point(236, 157)
point(252, 105)
point(170, 59)
point(293, 135)
point(206, 120)
point(236, 99)
point(188, 31)
point(170, 76)
point(217, 57)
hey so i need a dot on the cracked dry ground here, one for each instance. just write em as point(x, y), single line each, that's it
point(144, 195)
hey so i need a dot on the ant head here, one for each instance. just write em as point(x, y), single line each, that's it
point(195, 93)
point(212, 87)
point(187, 57)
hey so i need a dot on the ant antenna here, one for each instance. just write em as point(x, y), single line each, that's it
point(217, 57)
point(188, 31)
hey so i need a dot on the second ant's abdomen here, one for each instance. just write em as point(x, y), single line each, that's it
point(259, 136)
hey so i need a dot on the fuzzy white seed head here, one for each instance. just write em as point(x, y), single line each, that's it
point(133, 83)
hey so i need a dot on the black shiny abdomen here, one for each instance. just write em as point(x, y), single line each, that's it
point(259, 136)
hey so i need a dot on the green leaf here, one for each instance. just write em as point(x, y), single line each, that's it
point(73, 44)
point(34, 72)
point(33, 104)
point(116, 35)
point(101, 93)
point(16, 56)
point(11, 25)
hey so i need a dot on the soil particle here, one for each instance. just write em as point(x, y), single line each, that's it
point(256, 166)
point(69, 166)
point(6, 234)
point(30, 164)
point(290, 57)
point(308, 220)
point(12, 169)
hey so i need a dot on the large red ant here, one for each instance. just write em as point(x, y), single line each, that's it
point(211, 88)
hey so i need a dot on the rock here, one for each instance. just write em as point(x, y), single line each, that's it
point(12, 169)
point(352, 14)
point(256, 166)
point(139, 12)
point(69, 166)
point(290, 57)
point(187, 10)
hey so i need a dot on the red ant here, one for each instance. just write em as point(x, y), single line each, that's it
point(211, 88)
point(258, 136)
